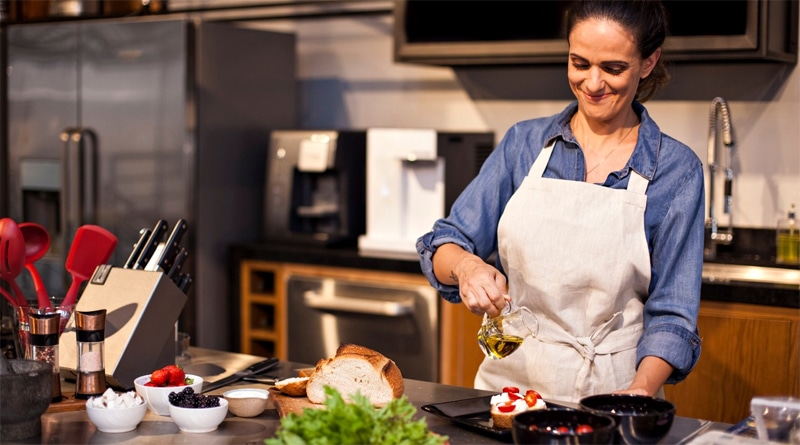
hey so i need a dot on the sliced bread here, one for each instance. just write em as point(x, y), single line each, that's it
point(354, 369)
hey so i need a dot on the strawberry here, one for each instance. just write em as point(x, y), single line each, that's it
point(176, 375)
point(510, 389)
point(159, 377)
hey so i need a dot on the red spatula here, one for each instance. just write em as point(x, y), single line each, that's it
point(91, 247)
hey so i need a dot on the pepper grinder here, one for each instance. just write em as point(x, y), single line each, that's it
point(44, 345)
point(90, 334)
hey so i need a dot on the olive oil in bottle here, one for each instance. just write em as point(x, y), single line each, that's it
point(502, 345)
point(788, 240)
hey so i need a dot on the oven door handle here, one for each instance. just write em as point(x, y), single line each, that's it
point(358, 305)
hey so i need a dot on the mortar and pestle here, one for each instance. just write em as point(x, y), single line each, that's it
point(27, 389)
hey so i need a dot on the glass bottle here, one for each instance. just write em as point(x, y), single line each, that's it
point(44, 330)
point(90, 334)
point(788, 240)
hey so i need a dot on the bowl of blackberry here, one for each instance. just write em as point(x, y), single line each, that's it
point(197, 413)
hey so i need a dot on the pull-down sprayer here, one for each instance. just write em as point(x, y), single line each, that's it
point(719, 110)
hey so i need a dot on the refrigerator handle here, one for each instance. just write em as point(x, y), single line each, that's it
point(78, 180)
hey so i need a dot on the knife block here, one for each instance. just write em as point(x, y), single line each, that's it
point(142, 308)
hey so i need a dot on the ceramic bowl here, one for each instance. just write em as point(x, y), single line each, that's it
point(562, 426)
point(156, 396)
point(116, 420)
point(246, 402)
point(199, 420)
point(640, 419)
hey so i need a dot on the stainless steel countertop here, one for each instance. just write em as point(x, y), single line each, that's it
point(732, 273)
point(75, 428)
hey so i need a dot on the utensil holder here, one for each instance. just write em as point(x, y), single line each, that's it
point(142, 308)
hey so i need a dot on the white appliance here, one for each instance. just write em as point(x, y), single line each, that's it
point(413, 177)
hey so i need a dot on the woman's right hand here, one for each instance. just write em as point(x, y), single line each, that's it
point(482, 287)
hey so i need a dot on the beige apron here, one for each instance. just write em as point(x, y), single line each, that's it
point(576, 254)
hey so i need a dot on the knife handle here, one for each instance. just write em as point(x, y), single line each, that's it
point(151, 244)
point(185, 282)
point(137, 248)
point(172, 245)
point(177, 265)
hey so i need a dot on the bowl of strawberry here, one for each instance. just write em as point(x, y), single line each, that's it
point(563, 426)
point(156, 387)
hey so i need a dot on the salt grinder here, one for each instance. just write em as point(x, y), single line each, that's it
point(44, 345)
point(90, 334)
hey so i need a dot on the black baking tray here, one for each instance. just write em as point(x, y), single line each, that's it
point(475, 414)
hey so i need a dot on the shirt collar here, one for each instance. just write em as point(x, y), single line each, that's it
point(645, 154)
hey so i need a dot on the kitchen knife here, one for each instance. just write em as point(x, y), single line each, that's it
point(177, 265)
point(171, 246)
point(150, 245)
point(252, 370)
point(137, 248)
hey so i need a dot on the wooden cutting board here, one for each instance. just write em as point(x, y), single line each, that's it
point(67, 403)
point(286, 404)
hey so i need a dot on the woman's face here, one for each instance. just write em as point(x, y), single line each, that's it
point(605, 68)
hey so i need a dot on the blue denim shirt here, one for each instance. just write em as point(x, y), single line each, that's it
point(674, 221)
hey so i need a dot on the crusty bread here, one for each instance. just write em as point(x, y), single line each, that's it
point(500, 419)
point(354, 369)
point(294, 386)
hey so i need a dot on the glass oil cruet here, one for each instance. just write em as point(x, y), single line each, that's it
point(44, 345)
point(499, 337)
point(90, 335)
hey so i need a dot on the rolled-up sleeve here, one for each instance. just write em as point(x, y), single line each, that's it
point(676, 241)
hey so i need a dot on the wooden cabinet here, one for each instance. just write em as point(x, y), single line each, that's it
point(748, 350)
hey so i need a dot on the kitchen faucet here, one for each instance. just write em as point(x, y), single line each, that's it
point(719, 110)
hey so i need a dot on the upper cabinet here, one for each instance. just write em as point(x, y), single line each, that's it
point(508, 32)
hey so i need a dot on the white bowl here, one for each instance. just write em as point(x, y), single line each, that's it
point(246, 402)
point(116, 420)
point(156, 397)
point(199, 420)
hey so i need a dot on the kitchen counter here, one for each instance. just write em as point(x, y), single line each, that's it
point(74, 427)
point(761, 283)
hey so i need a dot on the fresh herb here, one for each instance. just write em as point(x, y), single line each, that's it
point(355, 423)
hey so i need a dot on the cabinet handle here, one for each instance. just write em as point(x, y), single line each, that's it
point(358, 305)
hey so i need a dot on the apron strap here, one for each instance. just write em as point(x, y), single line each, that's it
point(637, 183)
point(604, 340)
point(537, 169)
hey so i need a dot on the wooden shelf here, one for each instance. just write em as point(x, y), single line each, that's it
point(262, 309)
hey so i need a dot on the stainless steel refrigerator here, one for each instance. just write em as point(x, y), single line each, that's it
point(123, 122)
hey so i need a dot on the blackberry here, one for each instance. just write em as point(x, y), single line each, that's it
point(189, 399)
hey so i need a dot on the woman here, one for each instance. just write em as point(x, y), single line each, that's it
point(597, 220)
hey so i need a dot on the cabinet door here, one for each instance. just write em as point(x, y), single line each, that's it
point(748, 351)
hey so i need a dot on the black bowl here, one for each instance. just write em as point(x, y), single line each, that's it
point(541, 427)
point(641, 419)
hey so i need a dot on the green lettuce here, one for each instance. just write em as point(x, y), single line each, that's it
point(355, 423)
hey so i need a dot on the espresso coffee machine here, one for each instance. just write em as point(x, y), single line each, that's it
point(315, 187)
point(413, 178)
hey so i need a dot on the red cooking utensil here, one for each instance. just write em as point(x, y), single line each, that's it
point(37, 243)
point(12, 256)
point(9, 297)
point(91, 247)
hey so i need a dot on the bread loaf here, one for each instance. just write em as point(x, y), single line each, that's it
point(354, 369)
point(294, 386)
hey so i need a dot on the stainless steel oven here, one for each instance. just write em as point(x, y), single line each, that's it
point(398, 320)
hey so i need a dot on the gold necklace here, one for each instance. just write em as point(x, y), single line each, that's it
point(611, 152)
